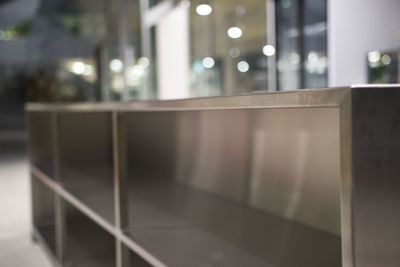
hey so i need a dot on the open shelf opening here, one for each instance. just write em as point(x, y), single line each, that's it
point(223, 188)
point(43, 212)
point(131, 259)
point(87, 244)
point(86, 165)
point(41, 141)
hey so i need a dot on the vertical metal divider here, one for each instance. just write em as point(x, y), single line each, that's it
point(345, 109)
point(59, 207)
point(31, 178)
point(120, 184)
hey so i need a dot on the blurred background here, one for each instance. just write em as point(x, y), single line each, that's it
point(136, 50)
point(123, 50)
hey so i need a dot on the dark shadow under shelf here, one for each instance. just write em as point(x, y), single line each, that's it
point(88, 245)
point(47, 233)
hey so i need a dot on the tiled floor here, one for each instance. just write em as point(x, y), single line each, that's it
point(16, 246)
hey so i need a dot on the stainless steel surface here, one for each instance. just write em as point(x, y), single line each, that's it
point(302, 98)
point(59, 209)
point(87, 159)
point(375, 175)
point(40, 143)
point(120, 190)
point(274, 160)
point(88, 245)
point(82, 207)
point(346, 188)
point(317, 166)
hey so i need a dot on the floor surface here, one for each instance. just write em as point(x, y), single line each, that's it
point(16, 246)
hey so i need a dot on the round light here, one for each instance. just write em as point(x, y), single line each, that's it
point(243, 66)
point(136, 71)
point(116, 65)
point(269, 50)
point(234, 32)
point(294, 58)
point(78, 67)
point(386, 59)
point(374, 56)
point(144, 61)
point(312, 57)
point(204, 10)
point(208, 62)
point(234, 52)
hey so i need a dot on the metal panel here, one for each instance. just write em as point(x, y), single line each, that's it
point(40, 140)
point(376, 173)
point(85, 145)
point(302, 98)
point(271, 179)
point(186, 165)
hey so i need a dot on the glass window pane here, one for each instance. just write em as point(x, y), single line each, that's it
point(226, 40)
point(289, 54)
point(315, 46)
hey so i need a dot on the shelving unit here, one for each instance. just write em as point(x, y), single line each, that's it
point(252, 180)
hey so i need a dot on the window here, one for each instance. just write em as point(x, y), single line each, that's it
point(301, 44)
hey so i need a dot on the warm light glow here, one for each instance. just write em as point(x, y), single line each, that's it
point(89, 70)
point(204, 10)
point(374, 56)
point(269, 50)
point(243, 66)
point(138, 70)
point(116, 65)
point(234, 32)
point(78, 67)
point(208, 62)
point(294, 58)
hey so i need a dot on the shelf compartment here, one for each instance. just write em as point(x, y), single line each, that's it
point(221, 188)
point(87, 244)
point(86, 164)
point(43, 212)
point(131, 259)
point(41, 147)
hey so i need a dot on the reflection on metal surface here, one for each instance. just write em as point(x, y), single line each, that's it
point(285, 161)
point(244, 168)
point(376, 173)
point(296, 179)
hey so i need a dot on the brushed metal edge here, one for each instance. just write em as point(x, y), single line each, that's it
point(329, 97)
point(346, 188)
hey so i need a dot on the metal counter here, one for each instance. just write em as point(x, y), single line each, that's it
point(293, 179)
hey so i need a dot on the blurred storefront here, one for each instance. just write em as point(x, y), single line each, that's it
point(122, 50)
